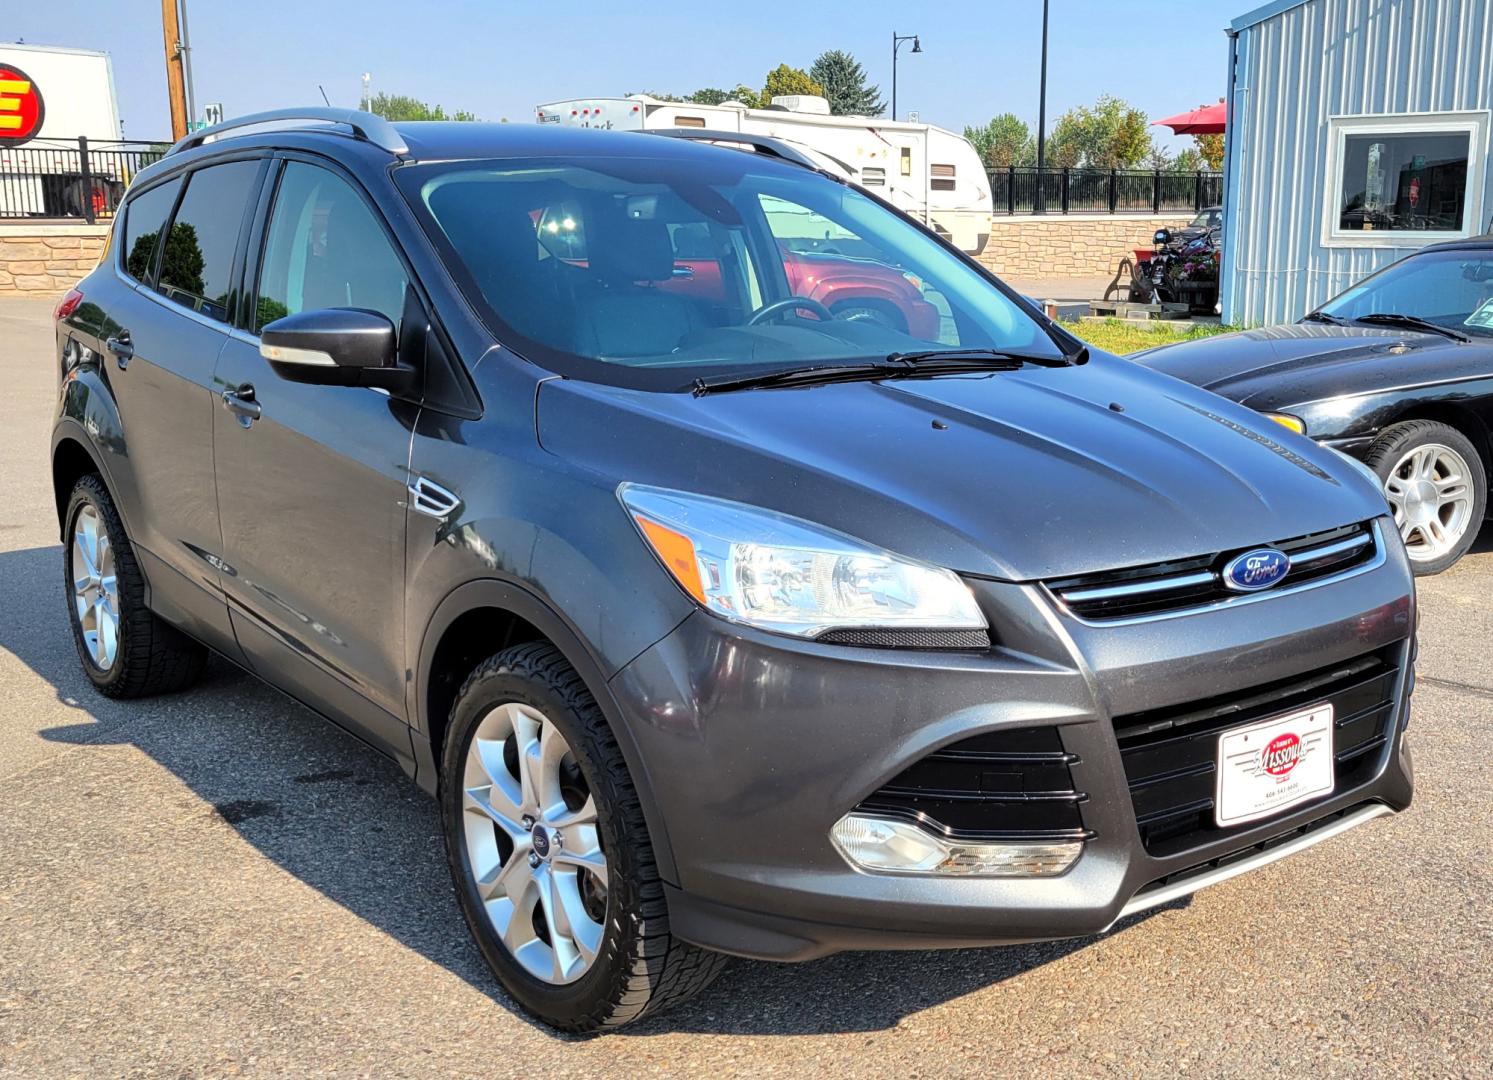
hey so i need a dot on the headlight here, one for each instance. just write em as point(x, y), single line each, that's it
point(784, 574)
point(1286, 420)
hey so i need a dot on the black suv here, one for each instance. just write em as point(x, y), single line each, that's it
point(721, 619)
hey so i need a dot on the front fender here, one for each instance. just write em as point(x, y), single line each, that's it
point(514, 598)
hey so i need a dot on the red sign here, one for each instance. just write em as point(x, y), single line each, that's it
point(1282, 754)
point(21, 108)
point(1414, 192)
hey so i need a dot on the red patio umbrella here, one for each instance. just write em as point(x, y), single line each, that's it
point(1205, 121)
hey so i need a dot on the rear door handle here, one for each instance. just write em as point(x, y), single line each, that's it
point(241, 402)
point(122, 348)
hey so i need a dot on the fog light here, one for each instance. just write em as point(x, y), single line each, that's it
point(888, 846)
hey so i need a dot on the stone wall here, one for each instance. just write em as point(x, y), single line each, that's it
point(1069, 245)
point(46, 260)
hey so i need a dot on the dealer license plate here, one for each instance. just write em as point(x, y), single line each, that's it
point(1267, 767)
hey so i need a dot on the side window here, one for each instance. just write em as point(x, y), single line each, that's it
point(197, 258)
point(144, 217)
point(326, 249)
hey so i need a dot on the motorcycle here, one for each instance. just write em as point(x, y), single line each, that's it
point(1182, 269)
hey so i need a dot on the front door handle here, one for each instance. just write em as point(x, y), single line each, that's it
point(240, 401)
point(122, 348)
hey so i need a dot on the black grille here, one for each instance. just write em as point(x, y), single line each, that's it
point(1183, 583)
point(897, 638)
point(1170, 755)
point(1004, 785)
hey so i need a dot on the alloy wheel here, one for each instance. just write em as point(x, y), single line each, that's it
point(532, 845)
point(95, 587)
point(1432, 499)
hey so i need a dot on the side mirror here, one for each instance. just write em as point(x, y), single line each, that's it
point(336, 347)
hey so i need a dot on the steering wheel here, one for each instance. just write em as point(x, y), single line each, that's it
point(793, 303)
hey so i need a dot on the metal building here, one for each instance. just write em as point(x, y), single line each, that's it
point(1357, 132)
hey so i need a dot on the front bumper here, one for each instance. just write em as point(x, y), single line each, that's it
point(755, 745)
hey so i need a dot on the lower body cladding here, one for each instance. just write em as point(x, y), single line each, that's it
point(1095, 747)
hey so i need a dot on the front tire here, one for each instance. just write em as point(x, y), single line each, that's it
point(1434, 480)
point(549, 852)
point(126, 650)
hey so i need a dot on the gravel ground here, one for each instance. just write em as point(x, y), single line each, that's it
point(219, 883)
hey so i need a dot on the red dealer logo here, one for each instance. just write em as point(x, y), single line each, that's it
point(1282, 754)
point(21, 108)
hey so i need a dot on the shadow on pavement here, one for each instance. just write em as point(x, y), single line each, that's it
point(290, 783)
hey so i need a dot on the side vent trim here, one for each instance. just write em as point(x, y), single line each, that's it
point(429, 498)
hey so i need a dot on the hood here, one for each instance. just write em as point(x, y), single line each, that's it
point(1283, 365)
point(1015, 475)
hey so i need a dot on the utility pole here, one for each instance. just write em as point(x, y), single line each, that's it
point(1039, 204)
point(175, 84)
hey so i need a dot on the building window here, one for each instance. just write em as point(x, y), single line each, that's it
point(1400, 180)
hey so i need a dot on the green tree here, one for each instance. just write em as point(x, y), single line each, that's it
point(402, 107)
point(1188, 161)
point(844, 83)
point(1110, 134)
point(1210, 149)
point(783, 81)
point(1006, 140)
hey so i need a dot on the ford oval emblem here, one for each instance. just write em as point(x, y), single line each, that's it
point(1256, 570)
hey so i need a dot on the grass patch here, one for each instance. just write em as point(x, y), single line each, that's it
point(1121, 336)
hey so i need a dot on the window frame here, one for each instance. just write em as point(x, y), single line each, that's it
point(1473, 123)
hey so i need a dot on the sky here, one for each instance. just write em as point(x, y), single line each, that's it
point(499, 59)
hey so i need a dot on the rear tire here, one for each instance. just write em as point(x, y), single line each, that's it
point(544, 831)
point(125, 649)
point(1434, 480)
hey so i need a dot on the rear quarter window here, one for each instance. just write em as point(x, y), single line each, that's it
point(144, 215)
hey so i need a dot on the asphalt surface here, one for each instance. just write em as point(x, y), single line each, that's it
point(220, 883)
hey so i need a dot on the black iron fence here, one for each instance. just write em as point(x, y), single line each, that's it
point(81, 179)
point(1021, 189)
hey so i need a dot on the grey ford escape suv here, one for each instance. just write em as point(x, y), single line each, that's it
point(719, 621)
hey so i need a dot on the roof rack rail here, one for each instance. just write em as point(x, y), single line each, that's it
point(366, 126)
point(760, 143)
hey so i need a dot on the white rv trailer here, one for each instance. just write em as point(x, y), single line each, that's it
point(927, 172)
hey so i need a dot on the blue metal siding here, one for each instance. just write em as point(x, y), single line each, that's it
point(1297, 68)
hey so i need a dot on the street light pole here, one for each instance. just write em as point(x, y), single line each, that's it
point(1039, 203)
point(897, 40)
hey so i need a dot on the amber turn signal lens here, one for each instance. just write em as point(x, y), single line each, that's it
point(677, 553)
point(1286, 420)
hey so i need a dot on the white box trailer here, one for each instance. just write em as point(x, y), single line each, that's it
point(49, 97)
point(930, 173)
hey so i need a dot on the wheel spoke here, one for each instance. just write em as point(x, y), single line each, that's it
point(492, 803)
point(567, 818)
point(593, 861)
point(508, 879)
point(563, 951)
point(503, 797)
point(104, 639)
point(582, 933)
point(551, 752)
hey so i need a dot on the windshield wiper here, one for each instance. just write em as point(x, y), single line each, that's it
point(1078, 356)
point(1322, 316)
point(897, 366)
point(1410, 322)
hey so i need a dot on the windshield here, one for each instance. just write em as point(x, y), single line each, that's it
point(1453, 289)
point(656, 271)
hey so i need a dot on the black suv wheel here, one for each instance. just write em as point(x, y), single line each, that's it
point(125, 649)
point(550, 853)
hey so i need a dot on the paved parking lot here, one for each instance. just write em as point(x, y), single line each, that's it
point(220, 883)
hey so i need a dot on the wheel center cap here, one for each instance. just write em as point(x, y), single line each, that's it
point(1421, 502)
point(540, 838)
